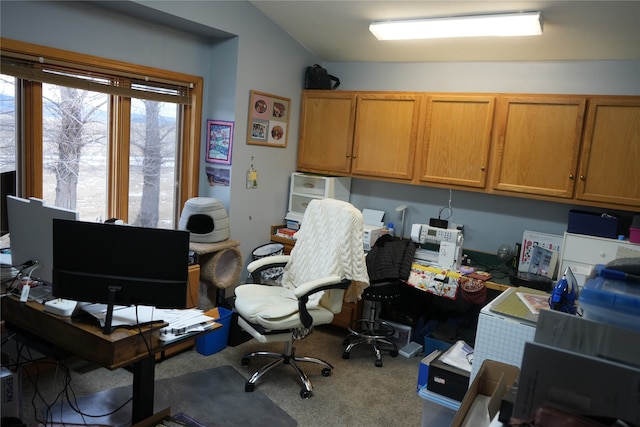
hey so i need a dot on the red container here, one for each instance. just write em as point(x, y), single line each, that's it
point(634, 235)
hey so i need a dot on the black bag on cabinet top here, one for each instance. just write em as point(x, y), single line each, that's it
point(317, 77)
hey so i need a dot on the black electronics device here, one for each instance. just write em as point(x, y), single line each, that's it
point(439, 223)
point(120, 264)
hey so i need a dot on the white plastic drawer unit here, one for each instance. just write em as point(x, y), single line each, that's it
point(306, 187)
point(581, 253)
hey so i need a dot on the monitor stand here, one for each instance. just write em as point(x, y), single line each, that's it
point(113, 290)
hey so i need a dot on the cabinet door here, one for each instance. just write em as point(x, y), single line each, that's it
point(610, 158)
point(385, 135)
point(537, 143)
point(455, 148)
point(326, 131)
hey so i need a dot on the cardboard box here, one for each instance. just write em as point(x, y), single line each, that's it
point(11, 393)
point(482, 400)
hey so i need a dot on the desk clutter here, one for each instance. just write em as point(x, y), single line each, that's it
point(181, 323)
point(537, 365)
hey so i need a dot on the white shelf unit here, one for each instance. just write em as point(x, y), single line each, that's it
point(582, 252)
point(306, 187)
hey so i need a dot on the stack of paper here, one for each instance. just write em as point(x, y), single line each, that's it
point(459, 355)
point(181, 323)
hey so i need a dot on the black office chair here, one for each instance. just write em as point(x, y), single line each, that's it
point(372, 330)
point(388, 262)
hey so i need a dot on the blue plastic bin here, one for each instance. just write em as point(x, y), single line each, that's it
point(217, 339)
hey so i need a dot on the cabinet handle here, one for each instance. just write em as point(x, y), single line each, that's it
point(482, 168)
point(582, 177)
point(348, 155)
point(570, 176)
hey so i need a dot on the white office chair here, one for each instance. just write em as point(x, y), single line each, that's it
point(327, 259)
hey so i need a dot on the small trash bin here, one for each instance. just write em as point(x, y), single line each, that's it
point(270, 275)
point(217, 339)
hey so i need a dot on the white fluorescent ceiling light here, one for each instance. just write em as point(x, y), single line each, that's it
point(507, 24)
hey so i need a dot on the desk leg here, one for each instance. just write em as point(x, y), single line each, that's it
point(144, 372)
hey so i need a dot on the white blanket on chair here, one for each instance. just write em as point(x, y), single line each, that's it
point(319, 253)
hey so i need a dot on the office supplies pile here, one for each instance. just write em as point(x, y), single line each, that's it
point(181, 322)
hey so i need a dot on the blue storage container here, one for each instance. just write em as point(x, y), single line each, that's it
point(593, 224)
point(611, 301)
point(217, 339)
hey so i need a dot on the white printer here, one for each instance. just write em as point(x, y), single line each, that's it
point(373, 227)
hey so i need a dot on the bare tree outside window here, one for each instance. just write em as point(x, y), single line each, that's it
point(75, 150)
point(152, 163)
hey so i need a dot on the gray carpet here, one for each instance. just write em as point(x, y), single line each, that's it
point(213, 397)
point(357, 394)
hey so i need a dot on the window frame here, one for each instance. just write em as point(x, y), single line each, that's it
point(29, 154)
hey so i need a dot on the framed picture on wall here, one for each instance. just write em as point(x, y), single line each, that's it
point(219, 141)
point(268, 120)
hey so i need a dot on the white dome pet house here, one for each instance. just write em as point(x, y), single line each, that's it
point(205, 219)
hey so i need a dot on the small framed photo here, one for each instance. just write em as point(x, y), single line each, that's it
point(219, 141)
point(268, 120)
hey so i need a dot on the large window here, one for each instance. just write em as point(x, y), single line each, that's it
point(105, 138)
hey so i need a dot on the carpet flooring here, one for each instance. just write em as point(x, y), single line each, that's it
point(213, 397)
point(357, 394)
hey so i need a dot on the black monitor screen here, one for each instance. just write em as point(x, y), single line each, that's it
point(121, 264)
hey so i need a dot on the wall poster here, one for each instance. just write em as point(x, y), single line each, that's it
point(219, 141)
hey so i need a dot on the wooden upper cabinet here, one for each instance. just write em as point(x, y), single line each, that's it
point(537, 144)
point(457, 137)
point(610, 159)
point(385, 135)
point(326, 131)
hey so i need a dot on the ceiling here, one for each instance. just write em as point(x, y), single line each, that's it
point(338, 30)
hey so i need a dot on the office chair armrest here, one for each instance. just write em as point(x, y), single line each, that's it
point(267, 262)
point(317, 285)
point(303, 292)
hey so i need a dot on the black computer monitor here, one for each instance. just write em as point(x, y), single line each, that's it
point(120, 264)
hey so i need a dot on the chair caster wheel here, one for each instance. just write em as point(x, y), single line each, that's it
point(326, 372)
point(249, 387)
point(245, 361)
point(393, 353)
point(345, 355)
point(379, 363)
point(305, 394)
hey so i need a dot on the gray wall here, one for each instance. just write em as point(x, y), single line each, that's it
point(237, 49)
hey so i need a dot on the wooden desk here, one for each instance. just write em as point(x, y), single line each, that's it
point(124, 348)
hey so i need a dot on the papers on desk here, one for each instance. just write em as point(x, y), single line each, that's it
point(181, 322)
